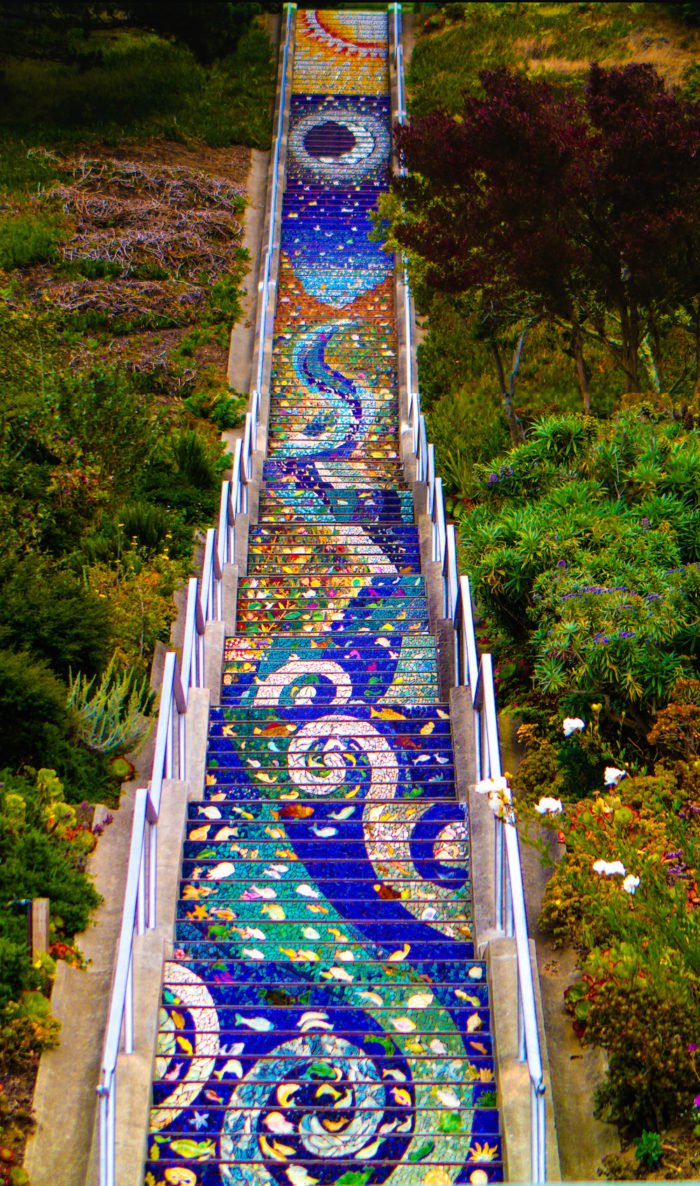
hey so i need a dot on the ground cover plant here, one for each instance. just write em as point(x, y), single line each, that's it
point(564, 407)
point(125, 140)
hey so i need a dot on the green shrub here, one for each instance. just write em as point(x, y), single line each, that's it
point(27, 1030)
point(28, 238)
point(39, 858)
point(226, 293)
point(193, 460)
point(235, 105)
point(14, 964)
point(86, 776)
point(625, 895)
point(141, 85)
point(147, 524)
point(137, 80)
point(32, 707)
point(583, 570)
point(115, 426)
point(645, 1032)
point(648, 1150)
point(51, 613)
point(224, 410)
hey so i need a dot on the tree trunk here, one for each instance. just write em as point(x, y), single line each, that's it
point(696, 318)
point(582, 377)
point(516, 429)
point(629, 355)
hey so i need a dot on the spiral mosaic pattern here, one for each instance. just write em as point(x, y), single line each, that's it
point(324, 1019)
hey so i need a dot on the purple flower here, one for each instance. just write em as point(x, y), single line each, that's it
point(627, 634)
point(493, 479)
point(696, 1101)
point(562, 564)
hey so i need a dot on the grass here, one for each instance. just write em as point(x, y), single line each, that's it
point(557, 40)
point(28, 238)
point(144, 87)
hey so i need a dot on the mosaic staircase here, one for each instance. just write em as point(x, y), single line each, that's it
point(323, 1018)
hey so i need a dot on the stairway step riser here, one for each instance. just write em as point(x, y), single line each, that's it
point(236, 1023)
point(395, 814)
point(345, 645)
point(404, 533)
point(400, 830)
point(403, 586)
point(306, 946)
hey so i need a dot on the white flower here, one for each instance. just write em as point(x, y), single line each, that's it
point(547, 806)
point(630, 884)
point(609, 868)
point(572, 725)
point(489, 786)
point(499, 805)
point(613, 776)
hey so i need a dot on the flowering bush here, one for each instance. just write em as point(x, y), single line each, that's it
point(585, 558)
point(44, 844)
point(625, 894)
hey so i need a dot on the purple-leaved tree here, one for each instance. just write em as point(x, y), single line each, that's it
point(584, 210)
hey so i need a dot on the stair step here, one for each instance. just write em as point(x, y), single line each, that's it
point(360, 474)
point(324, 1017)
point(397, 810)
point(243, 648)
point(403, 530)
point(201, 811)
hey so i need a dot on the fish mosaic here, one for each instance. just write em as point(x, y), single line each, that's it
point(324, 1015)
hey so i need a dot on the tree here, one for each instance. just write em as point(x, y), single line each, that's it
point(643, 220)
point(581, 209)
point(61, 32)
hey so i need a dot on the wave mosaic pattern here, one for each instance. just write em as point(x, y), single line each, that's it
point(323, 1018)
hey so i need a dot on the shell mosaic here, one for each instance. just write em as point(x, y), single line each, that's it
point(324, 1018)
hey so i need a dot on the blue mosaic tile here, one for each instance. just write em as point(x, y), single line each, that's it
point(323, 1016)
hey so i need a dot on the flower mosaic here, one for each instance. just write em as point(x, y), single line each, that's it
point(324, 1017)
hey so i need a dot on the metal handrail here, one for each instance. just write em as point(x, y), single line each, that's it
point(264, 286)
point(204, 604)
point(169, 759)
point(190, 649)
point(477, 674)
point(140, 900)
point(450, 572)
point(210, 593)
point(121, 1015)
point(225, 537)
point(439, 522)
point(430, 473)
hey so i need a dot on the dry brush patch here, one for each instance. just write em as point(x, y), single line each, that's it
point(152, 231)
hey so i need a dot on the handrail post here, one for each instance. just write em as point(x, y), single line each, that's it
point(152, 874)
point(141, 894)
point(539, 1147)
point(222, 538)
point(106, 1147)
point(430, 453)
point(129, 1007)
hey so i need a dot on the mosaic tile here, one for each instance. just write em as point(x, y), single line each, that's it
point(323, 1016)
